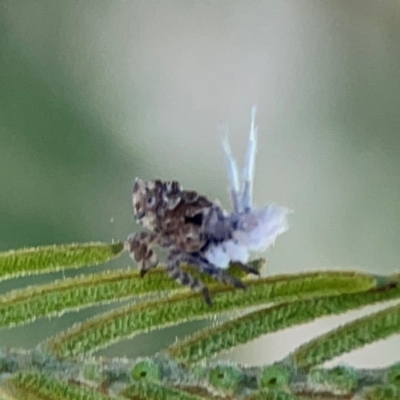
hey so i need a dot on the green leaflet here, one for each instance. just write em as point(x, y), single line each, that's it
point(210, 341)
point(44, 387)
point(21, 306)
point(127, 321)
point(348, 337)
point(54, 258)
point(25, 305)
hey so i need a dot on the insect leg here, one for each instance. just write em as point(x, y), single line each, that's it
point(139, 246)
point(246, 268)
point(248, 170)
point(173, 261)
point(231, 168)
point(203, 265)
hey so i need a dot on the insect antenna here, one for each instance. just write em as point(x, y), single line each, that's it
point(231, 169)
point(248, 169)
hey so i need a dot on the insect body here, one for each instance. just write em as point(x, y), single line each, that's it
point(200, 232)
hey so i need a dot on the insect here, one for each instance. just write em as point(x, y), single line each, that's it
point(200, 232)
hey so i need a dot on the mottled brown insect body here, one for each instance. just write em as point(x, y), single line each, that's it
point(176, 215)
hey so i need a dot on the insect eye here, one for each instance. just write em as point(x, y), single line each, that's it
point(151, 201)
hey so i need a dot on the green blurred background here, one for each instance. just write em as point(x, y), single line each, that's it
point(96, 92)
